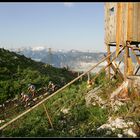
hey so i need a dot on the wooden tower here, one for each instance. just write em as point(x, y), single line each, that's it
point(122, 29)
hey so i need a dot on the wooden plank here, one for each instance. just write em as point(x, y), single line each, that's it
point(129, 21)
point(136, 70)
point(135, 22)
point(118, 26)
point(122, 24)
point(117, 70)
point(106, 22)
point(48, 116)
point(115, 20)
point(108, 60)
point(138, 27)
point(112, 24)
point(125, 11)
point(126, 53)
point(110, 20)
point(129, 38)
point(130, 67)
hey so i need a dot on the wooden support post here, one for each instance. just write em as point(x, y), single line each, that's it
point(48, 116)
point(129, 38)
point(118, 26)
point(129, 21)
point(126, 55)
point(108, 60)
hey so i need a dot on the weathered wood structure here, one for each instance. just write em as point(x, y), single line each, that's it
point(122, 28)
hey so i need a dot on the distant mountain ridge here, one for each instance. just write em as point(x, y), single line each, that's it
point(61, 58)
point(76, 60)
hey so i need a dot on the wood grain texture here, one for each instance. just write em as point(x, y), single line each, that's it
point(126, 20)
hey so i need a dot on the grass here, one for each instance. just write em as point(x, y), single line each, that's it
point(80, 121)
point(17, 71)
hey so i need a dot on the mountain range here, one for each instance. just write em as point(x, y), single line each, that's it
point(74, 59)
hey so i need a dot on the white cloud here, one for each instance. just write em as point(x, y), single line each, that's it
point(68, 4)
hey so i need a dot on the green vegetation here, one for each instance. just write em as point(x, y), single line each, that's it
point(67, 109)
point(79, 121)
point(69, 115)
point(17, 71)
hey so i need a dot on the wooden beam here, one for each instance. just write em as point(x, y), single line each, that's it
point(129, 38)
point(126, 54)
point(48, 115)
point(129, 21)
point(137, 70)
point(118, 26)
point(117, 70)
point(117, 66)
point(130, 66)
point(108, 60)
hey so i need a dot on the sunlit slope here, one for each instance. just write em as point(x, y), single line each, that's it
point(17, 71)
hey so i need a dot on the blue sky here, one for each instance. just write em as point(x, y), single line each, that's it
point(57, 25)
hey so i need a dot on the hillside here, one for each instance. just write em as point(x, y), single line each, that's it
point(81, 112)
point(17, 71)
point(77, 110)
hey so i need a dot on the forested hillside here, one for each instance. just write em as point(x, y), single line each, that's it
point(17, 71)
